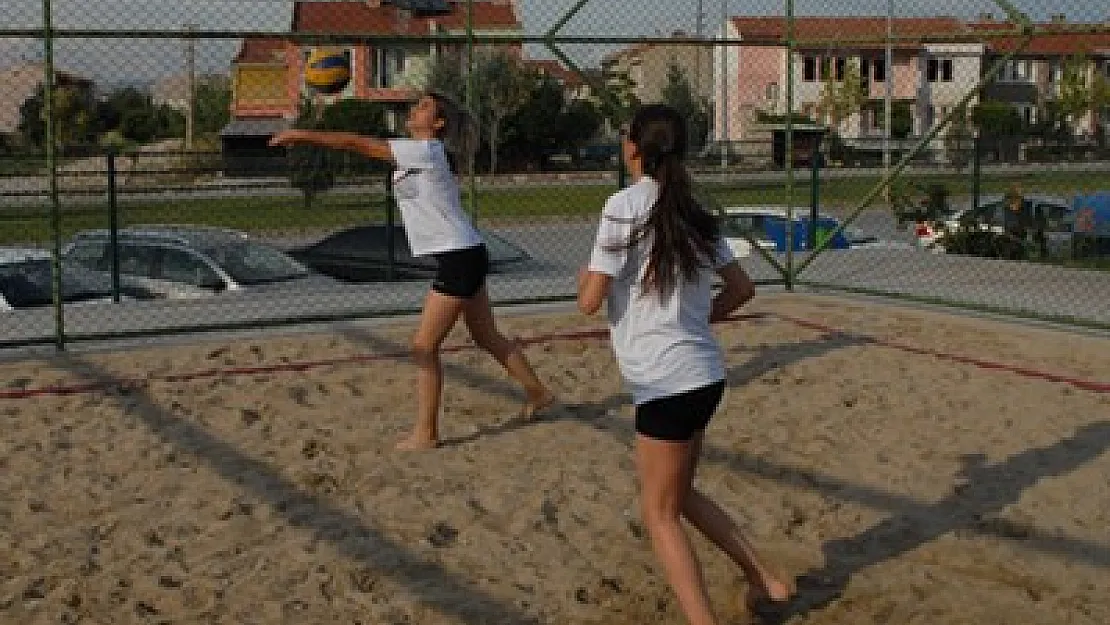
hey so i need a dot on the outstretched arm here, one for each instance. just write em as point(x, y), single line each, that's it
point(367, 146)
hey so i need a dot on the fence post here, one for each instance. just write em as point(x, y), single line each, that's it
point(814, 195)
point(976, 169)
point(113, 224)
point(390, 235)
point(52, 175)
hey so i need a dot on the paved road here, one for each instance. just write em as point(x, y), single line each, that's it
point(1024, 287)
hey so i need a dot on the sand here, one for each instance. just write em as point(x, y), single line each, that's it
point(254, 481)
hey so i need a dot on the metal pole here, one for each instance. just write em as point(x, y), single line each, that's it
point(190, 86)
point(113, 224)
point(889, 94)
point(390, 235)
point(724, 116)
point(789, 148)
point(814, 189)
point(976, 169)
point(52, 170)
point(472, 181)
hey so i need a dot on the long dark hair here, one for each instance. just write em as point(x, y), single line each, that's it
point(682, 232)
point(458, 133)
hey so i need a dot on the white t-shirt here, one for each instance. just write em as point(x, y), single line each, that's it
point(428, 197)
point(664, 346)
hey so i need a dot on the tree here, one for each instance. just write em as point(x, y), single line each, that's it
point(679, 94)
point(1074, 98)
point(841, 98)
point(74, 114)
point(212, 106)
point(618, 98)
point(504, 87)
point(314, 169)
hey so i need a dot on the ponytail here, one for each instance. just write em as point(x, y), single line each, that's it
point(682, 232)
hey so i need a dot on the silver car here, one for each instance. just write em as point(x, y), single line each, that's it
point(190, 261)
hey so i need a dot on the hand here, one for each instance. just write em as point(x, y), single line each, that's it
point(285, 138)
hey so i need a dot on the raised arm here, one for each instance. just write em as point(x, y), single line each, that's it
point(737, 290)
point(348, 141)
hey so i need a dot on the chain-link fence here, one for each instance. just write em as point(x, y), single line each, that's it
point(868, 146)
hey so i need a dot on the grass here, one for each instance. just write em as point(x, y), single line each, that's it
point(329, 211)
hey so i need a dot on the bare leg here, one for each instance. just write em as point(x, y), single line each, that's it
point(666, 470)
point(478, 315)
point(712, 521)
point(439, 315)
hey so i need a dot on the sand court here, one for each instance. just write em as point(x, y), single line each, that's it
point(908, 466)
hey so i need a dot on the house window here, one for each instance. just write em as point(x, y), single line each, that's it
point(939, 70)
point(388, 65)
point(809, 69)
point(1028, 113)
point(772, 92)
point(1017, 71)
point(833, 68)
point(841, 65)
point(878, 70)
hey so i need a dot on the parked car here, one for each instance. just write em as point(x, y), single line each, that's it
point(28, 283)
point(191, 261)
point(766, 225)
point(993, 214)
point(361, 254)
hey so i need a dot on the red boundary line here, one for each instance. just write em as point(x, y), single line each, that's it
point(990, 365)
point(593, 333)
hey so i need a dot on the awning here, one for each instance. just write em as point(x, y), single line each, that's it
point(256, 127)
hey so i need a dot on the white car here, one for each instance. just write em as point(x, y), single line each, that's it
point(765, 225)
point(992, 215)
point(182, 262)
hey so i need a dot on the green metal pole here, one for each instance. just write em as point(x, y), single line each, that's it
point(814, 197)
point(472, 180)
point(52, 172)
point(113, 224)
point(789, 148)
point(976, 169)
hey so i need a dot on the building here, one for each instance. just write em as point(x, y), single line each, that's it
point(930, 78)
point(267, 75)
point(646, 67)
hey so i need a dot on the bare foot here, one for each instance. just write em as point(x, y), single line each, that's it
point(769, 595)
point(536, 405)
point(412, 442)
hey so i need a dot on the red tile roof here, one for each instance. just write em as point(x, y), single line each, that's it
point(362, 18)
point(261, 51)
point(773, 28)
point(1051, 39)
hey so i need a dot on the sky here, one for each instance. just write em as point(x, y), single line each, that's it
point(130, 60)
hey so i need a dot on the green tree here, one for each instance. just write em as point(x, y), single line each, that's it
point(74, 115)
point(841, 98)
point(1076, 96)
point(504, 87)
point(678, 93)
point(312, 169)
point(617, 100)
point(212, 106)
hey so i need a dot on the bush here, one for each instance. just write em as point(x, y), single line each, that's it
point(985, 244)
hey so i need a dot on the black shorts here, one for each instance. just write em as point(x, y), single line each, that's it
point(461, 273)
point(679, 417)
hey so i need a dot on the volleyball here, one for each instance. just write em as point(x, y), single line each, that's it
point(327, 71)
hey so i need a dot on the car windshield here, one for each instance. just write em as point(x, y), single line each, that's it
point(251, 262)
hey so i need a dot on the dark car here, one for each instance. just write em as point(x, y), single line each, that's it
point(361, 254)
point(29, 284)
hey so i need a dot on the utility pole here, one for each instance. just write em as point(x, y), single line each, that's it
point(724, 130)
point(190, 86)
point(888, 96)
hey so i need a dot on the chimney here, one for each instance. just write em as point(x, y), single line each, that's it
point(1059, 18)
point(986, 17)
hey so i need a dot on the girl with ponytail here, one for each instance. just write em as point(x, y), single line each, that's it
point(441, 136)
point(656, 252)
